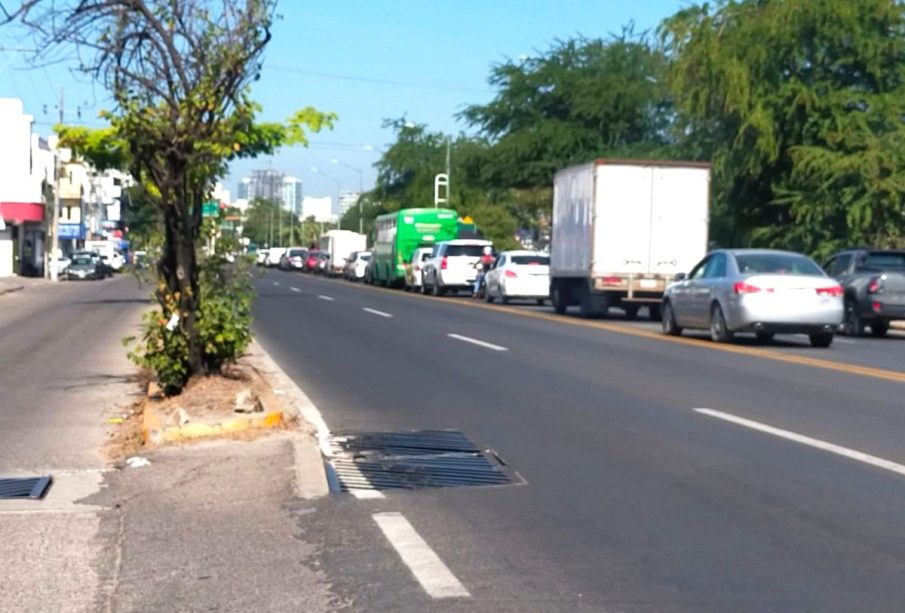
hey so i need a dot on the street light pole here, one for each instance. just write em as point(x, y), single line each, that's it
point(360, 190)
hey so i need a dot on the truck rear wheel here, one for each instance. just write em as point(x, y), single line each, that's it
point(653, 311)
point(559, 300)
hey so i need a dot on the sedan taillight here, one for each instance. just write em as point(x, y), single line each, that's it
point(511, 274)
point(745, 288)
point(834, 291)
point(443, 263)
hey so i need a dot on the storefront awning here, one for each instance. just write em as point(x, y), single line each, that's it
point(20, 212)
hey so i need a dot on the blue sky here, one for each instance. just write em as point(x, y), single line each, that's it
point(366, 61)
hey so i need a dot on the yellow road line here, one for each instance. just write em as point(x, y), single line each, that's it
point(844, 367)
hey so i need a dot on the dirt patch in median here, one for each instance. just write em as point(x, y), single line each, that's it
point(240, 393)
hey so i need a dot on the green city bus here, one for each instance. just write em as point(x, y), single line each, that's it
point(400, 233)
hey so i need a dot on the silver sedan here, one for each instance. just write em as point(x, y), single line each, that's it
point(763, 291)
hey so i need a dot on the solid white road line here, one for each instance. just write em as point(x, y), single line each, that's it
point(428, 568)
point(852, 454)
point(327, 298)
point(475, 341)
point(295, 289)
point(376, 312)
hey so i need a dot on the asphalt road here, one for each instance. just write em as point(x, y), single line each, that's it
point(63, 369)
point(644, 488)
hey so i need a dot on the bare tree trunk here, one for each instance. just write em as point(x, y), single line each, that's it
point(178, 267)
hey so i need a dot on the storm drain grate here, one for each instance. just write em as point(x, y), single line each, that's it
point(24, 487)
point(412, 460)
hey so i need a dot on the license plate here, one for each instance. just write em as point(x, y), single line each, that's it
point(648, 283)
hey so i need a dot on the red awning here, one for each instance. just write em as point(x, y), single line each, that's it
point(19, 212)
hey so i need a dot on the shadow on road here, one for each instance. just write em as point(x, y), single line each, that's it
point(116, 301)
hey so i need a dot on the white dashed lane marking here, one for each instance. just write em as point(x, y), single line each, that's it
point(479, 343)
point(845, 452)
point(430, 571)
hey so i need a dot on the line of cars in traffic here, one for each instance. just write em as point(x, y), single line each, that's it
point(763, 292)
point(314, 261)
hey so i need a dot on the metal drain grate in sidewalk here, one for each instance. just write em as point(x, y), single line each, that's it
point(24, 487)
point(412, 460)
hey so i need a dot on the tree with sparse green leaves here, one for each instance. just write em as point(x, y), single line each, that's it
point(179, 73)
point(800, 106)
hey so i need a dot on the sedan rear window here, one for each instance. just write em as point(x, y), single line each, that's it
point(297, 253)
point(885, 261)
point(776, 264)
point(542, 260)
point(465, 250)
point(365, 257)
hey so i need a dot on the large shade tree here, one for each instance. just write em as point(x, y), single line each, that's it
point(800, 107)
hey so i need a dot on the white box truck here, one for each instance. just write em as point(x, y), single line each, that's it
point(339, 245)
point(622, 230)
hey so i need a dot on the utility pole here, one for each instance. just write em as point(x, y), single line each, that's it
point(55, 216)
point(280, 216)
point(448, 194)
point(271, 223)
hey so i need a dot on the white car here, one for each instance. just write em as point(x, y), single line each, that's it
point(261, 256)
point(115, 261)
point(414, 268)
point(518, 274)
point(273, 256)
point(358, 264)
point(452, 266)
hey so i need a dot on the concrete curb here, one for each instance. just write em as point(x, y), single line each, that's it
point(312, 446)
point(154, 433)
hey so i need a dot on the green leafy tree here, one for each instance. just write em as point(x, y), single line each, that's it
point(179, 73)
point(580, 100)
point(800, 107)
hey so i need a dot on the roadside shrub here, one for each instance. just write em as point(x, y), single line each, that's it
point(223, 322)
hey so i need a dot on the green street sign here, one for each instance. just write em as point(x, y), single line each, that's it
point(210, 209)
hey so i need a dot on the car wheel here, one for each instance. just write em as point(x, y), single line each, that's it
point(487, 297)
point(719, 333)
point(668, 321)
point(821, 339)
point(541, 302)
point(764, 337)
point(435, 290)
point(854, 324)
point(879, 328)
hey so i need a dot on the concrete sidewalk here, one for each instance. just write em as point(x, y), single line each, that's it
point(11, 284)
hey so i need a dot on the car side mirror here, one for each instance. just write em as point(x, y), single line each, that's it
point(680, 276)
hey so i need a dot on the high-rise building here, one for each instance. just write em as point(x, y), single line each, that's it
point(292, 195)
point(264, 184)
point(347, 200)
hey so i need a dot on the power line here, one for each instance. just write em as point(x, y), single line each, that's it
point(361, 79)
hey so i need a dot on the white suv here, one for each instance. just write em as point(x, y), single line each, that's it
point(452, 266)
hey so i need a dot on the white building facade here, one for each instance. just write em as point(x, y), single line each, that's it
point(26, 172)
